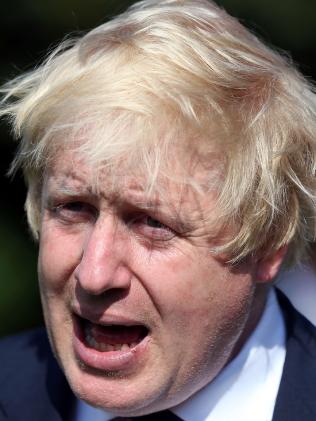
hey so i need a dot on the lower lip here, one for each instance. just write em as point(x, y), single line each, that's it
point(107, 361)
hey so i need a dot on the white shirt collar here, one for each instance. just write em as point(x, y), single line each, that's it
point(245, 390)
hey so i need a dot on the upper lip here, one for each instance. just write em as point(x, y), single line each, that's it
point(107, 319)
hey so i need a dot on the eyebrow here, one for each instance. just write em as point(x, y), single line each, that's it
point(166, 209)
point(133, 194)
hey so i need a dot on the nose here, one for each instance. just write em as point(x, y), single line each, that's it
point(102, 266)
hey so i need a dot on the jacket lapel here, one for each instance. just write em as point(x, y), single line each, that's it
point(296, 400)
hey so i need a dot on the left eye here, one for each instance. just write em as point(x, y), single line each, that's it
point(152, 229)
point(154, 223)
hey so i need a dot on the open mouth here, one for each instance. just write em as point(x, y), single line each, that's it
point(111, 337)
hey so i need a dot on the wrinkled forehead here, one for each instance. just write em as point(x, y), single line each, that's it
point(187, 176)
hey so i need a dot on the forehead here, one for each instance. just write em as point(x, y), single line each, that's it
point(123, 145)
point(193, 181)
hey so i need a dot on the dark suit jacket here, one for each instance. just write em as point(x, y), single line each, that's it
point(32, 387)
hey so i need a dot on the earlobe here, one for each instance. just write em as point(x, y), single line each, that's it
point(268, 267)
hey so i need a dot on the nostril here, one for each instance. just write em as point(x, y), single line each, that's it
point(101, 300)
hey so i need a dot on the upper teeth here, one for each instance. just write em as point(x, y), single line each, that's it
point(100, 346)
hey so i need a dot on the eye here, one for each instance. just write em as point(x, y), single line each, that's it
point(152, 229)
point(74, 212)
point(154, 223)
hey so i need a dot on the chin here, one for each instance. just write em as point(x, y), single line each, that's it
point(125, 395)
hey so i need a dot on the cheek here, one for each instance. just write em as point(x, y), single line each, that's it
point(204, 307)
point(59, 255)
point(195, 284)
point(200, 296)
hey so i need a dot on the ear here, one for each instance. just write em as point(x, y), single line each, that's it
point(268, 267)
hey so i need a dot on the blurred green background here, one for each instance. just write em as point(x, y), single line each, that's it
point(27, 29)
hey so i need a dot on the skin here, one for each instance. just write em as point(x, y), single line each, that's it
point(118, 253)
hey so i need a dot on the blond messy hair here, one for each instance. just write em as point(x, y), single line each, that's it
point(164, 69)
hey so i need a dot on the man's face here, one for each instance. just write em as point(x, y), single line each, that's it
point(140, 313)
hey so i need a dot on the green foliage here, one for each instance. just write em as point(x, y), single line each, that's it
point(19, 298)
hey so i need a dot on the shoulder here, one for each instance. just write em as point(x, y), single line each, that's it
point(301, 334)
point(23, 353)
point(32, 385)
point(29, 343)
point(296, 398)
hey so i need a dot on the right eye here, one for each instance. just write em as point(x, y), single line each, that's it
point(74, 212)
